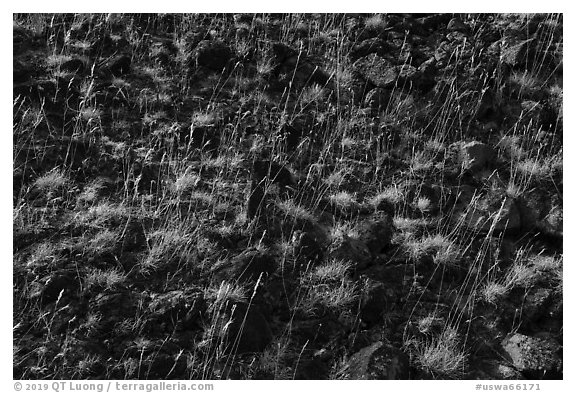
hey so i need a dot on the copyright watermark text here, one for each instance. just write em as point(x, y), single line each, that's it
point(110, 386)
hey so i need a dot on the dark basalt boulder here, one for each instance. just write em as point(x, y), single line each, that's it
point(73, 65)
point(377, 233)
point(376, 70)
point(377, 99)
point(379, 361)
point(518, 54)
point(434, 21)
point(213, 55)
point(307, 247)
point(204, 137)
point(377, 298)
point(297, 67)
point(248, 266)
point(248, 330)
point(283, 54)
point(276, 173)
point(535, 357)
point(50, 288)
point(456, 24)
point(372, 45)
point(176, 309)
point(120, 65)
point(263, 171)
point(351, 250)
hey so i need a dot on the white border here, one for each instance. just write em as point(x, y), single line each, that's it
point(299, 6)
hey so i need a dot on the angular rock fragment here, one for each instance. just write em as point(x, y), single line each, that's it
point(533, 356)
point(379, 361)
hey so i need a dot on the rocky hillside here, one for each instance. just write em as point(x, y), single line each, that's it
point(279, 196)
